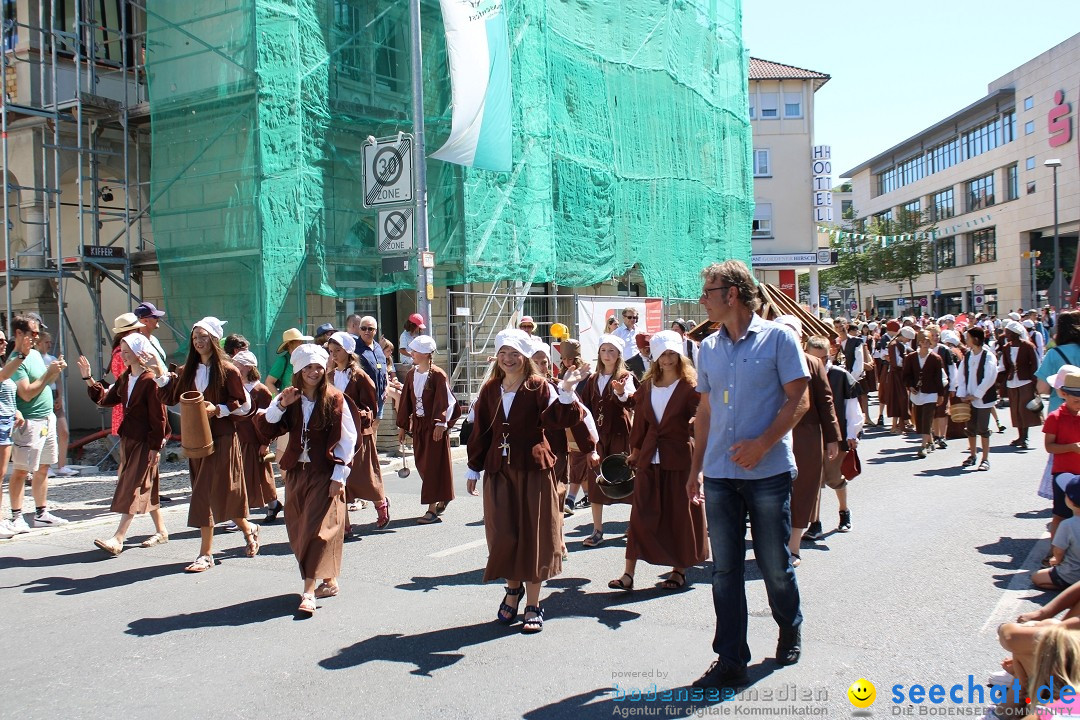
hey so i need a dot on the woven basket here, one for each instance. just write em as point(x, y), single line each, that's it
point(960, 412)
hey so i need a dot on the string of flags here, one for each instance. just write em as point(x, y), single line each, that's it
point(885, 240)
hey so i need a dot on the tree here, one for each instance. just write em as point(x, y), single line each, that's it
point(857, 260)
point(906, 256)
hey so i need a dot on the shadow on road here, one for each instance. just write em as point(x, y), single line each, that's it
point(428, 651)
point(470, 577)
point(78, 586)
point(75, 558)
point(245, 613)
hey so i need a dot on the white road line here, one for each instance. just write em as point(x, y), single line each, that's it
point(458, 548)
point(1007, 607)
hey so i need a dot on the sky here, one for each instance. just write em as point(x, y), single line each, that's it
point(898, 67)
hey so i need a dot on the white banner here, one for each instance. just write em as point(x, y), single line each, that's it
point(593, 313)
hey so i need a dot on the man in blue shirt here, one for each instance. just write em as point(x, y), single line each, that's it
point(752, 378)
point(372, 357)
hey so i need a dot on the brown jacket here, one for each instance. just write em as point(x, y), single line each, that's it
point(673, 436)
point(928, 378)
point(434, 396)
point(323, 433)
point(245, 426)
point(1027, 361)
point(361, 390)
point(144, 416)
point(560, 440)
point(822, 410)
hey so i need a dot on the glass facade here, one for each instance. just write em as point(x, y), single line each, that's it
point(980, 192)
point(1012, 182)
point(946, 252)
point(984, 246)
point(942, 205)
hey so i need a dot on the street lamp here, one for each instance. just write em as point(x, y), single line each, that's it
point(1055, 163)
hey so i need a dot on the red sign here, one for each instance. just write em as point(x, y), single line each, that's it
point(1058, 121)
point(787, 283)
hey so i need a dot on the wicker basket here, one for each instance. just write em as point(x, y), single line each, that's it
point(960, 412)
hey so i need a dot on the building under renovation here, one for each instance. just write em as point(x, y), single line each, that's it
point(206, 155)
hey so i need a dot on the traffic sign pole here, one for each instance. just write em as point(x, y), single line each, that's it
point(423, 292)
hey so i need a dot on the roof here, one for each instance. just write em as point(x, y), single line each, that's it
point(769, 70)
point(903, 150)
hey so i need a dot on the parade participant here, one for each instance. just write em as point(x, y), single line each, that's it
point(881, 367)
point(975, 384)
point(940, 426)
point(280, 375)
point(899, 404)
point(123, 325)
point(627, 332)
point(35, 440)
point(522, 516)
point(9, 418)
point(814, 440)
point(234, 343)
point(217, 480)
point(578, 477)
point(427, 411)
point(321, 441)
point(858, 359)
point(373, 362)
point(259, 478)
point(142, 436)
point(752, 378)
point(1037, 338)
point(365, 478)
point(850, 418)
point(689, 346)
point(641, 361)
point(665, 527)
point(413, 326)
point(926, 382)
point(607, 394)
point(150, 317)
point(1020, 361)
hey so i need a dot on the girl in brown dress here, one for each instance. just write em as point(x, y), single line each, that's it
point(665, 527)
point(1021, 361)
point(258, 471)
point(365, 478)
point(522, 516)
point(217, 480)
point(899, 407)
point(142, 435)
point(426, 409)
point(608, 394)
point(924, 378)
point(318, 422)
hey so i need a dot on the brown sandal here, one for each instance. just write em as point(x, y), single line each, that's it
point(428, 518)
point(618, 584)
point(671, 584)
point(326, 590)
point(253, 541)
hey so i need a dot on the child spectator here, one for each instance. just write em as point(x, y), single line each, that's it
point(1061, 432)
point(1064, 567)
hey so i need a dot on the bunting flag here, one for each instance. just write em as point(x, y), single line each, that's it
point(478, 50)
point(886, 240)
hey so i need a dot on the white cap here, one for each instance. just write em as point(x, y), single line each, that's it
point(345, 340)
point(664, 341)
point(308, 354)
point(539, 346)
point(424, 344)
point(1029, 324)
point(1014, 316)
point(950, 337)
point(138, 343)
point(614, 340)
point(1015, 326)
point(1054, 380)
point(907, 332)
point(947, 318)
point(872, 325)
point(515, 340)
point(792, 322)
point(246, 357)
point(211, 325)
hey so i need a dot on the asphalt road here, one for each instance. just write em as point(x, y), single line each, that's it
point(938, 556)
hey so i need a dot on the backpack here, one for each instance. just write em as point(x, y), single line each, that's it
point(991, 394)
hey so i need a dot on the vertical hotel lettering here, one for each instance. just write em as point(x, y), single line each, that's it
point(822, 171)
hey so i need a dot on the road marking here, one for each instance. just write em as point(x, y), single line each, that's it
point(458, 548)
point(1008, 606)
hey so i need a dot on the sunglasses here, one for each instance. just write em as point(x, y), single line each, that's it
point(367, 328)
point(631, 317)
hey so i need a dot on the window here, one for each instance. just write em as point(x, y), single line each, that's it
point(980, 192)
point(1029, 164)
point(1012, 182)
point(770, 105)
point(847, 209)
point(11, 30)
point(762, 221)
point(1029, 102)
point(373, 53)
point(983, 246)
point(1031, 188)
point(751, 105)
point(942, 206)
point(989, 135)
point(883, 220)
point(1029, 127)
point(946, 252)
point(792, 105)
point(944, 155)
point(762, 166)
point(913, 211)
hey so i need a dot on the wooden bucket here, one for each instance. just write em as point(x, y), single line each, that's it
point(195, 435)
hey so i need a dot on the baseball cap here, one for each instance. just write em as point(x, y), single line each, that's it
point(1070, 483)
point(146, 309)
point(324, 328)
point(418, 320)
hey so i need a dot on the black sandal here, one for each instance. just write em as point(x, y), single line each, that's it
point(533, 624)
point(969, 462)
point(508, 613)
point(618, 584)
point(670, 584)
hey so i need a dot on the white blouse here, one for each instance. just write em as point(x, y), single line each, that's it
point(660, 397)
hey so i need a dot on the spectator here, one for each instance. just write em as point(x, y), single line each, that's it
point(34, 440)
point(1061, 432)
point(627, 333)
point(150, 317)
point(1064, 567)
point(45, 345)
point(743, 464)
point(10, 417)
point(323, 333)
point(640, 362)
point(527, 324)
point(413, 326)
point(373, 362)
point(280, 375)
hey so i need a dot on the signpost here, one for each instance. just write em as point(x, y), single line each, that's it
point(388, 170)
point(395, 231)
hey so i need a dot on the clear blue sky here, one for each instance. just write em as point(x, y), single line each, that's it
point(898, 67)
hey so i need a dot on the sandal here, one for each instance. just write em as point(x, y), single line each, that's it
point(984, 465)
point(326, 590)
point(618, 584)
point(155, 539)
point(428, 518)
point(201, 564)
point(253, 541)
point(968, 462)
point(508, 613)
point(796, 560)
point(307, 604)
point(594, 540)
point(671, 584)
point(384, 513)
point(110, 546)
point(536, 623)
point(440, 507)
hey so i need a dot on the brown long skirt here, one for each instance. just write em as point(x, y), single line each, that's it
point(315, 522)
point(1019, 397)
point(258, 475)
point(899, 403)
point(432, 463)
point(137, 482)
point(608, 446)
point(869, 380)
point(523, 522)
point(665, 527)
point(809, 447)
point(365, 477)
point(217, 484)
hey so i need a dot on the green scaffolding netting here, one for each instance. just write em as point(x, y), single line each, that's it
point(631, 147)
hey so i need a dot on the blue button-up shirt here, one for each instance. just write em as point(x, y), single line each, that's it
point(373, 361)
point(745, 382)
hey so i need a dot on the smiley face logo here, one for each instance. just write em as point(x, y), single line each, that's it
point(862, 693)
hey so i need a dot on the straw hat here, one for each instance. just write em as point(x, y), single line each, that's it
point(127, 321)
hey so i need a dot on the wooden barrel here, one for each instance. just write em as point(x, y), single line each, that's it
point(195, 435)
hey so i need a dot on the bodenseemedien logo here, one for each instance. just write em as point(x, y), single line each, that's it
point(862, 693)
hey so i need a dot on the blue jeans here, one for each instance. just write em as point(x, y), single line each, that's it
point(768, 502)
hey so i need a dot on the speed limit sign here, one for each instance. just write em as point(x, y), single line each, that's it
point(388, 170)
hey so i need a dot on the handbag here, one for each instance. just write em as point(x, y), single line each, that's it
point(851, 468)
point(464, 432)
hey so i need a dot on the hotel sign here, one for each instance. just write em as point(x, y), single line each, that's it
point(821, 168)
